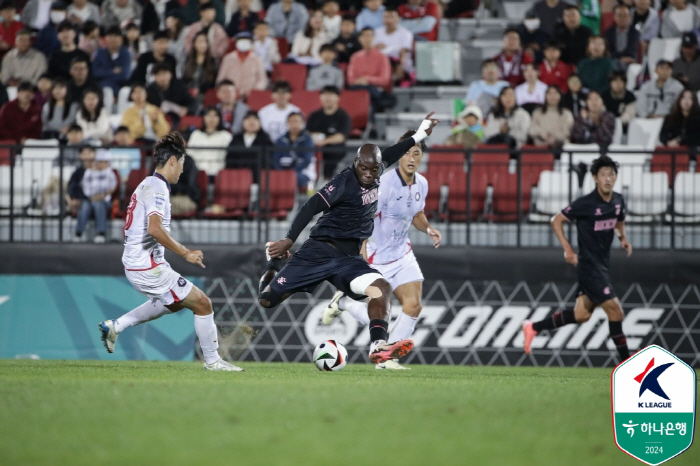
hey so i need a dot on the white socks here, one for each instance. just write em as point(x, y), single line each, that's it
point(150, 310)
point(404, 325)
point(356, 309)
point(205, 328)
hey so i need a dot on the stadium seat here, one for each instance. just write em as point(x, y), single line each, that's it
point(647, 197)
point(210, 98)
point(619, 132)
point(282, 192)
point(307, 101)
point(553, 194)
point(108, 99)
point(662, 161)
point(132, 182)
point(283, 47)
point(607, 19)
point(6, 152)
point(294, 73)
point(687, 194)
point(356, 103)
point(203, 183)
point(190, 122)
point(492, 163)
point(457, 199)
point(38, 157)
point(667, 49)
point(534, 163)
point(645, 132)
point(232, 192)
point(633, 71)
point(505, 197)
point(116, 201)
point(633, 161)
point(123, 99)
point(441, 166)
point(580, 153)
point(257, 99)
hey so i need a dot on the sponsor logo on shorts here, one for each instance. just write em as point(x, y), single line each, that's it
point(181, 282)
point(281, 280)
point(606, 290)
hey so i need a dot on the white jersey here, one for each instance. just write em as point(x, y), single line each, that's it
point(398, 204)
point(141, 250)
point(274, 121)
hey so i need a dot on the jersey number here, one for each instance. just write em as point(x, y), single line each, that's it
point(130, 212)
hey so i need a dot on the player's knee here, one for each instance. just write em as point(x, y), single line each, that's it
point(412, 308)
point(583, 317)
point(265, 303)
point(269, 298)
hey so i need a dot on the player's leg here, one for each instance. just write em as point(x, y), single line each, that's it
point(613, 309)
point(341, 303)
point(409, 296)
point(580, 314)
point(267, 297)
point(148, 311)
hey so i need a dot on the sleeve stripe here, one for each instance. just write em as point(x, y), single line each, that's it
point(319, 193)
point(156, 213)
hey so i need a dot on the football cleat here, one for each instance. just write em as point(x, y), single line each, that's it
point(386, 351)
point(333, 309)
point(267, 255)
point(222, 365)
point(392, 364)
point(529, 333)
point(109, 336)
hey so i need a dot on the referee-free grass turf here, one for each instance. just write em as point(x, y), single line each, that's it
point(156, 413)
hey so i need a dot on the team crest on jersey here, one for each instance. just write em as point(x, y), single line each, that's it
point(417, 196)
point(181, 282)
point(598, 211)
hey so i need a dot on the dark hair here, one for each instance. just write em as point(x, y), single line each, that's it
point(65, 25)
point(113, 31)
point(366, 29)
point(89, 26)
point(350, 18)
point(135, 86)
point(603, 161)
point(209, 66)
point(617, 75)
point(560, 105)
point(133, 25)
point(326, 48)
point(509, 30)
point(409, 134)
point(308, 30)
point(390, 8)
point(553, 44)
point(251, 113)
point(159, 67)
point(169, 146)
point(212, 108)
point(299, 114)
point(84, 112)
point(45, 76)
point(261, 23)
point(620, 5)
point(5, 4)
point(675, 116)
point(161, 35)
point(67, 102)
point(122, 129)
point(206, 6)
point(498, 110)
point(80, 59)
point(87, 147)
point(281, 86)
point(571, 7)
point(26, 86)
point(75, 127)
point(225, 82)
point(23, 32)
point(488, 61)
point(333, 89)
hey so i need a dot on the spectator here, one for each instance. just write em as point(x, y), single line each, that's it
point(507, 123)
point(530, 93)
point(243, 20)
point(532, 37)
point(370, 69)
point(243, 68)
point(37, 13)
point(58, 113)
point(551, 123)
point(655, 98)
point(325, 74)
point(618, 100)
point(43, 90)
point(20, 119)
point(645, 20)
point(80, 78)
point(74, 191)
point(218, 40)
point(512, 59)
point(22, 63)
point(307, 43)
point(8, 27)
point(681, 125)
point(457, 8)
point(186, 194)
point(485, 91)
point(686, 68)
point(679, 17)
point(199, 73)
point(59, 63)
point(212, 135)
point(273, 117)
point(622, 37)
point(143, 73)
point(595, 69)
point(590, 15)
point(122, 137)
point(573, 36)
point(550, 14)
point(80, 11)
point(396, 42)
point(242, 151)
point(93, 117)
point(175, 30)
point(265, 46)
point(112, 65)
point(126, 156)
point(469, 131)
point(134, 42)
point(371, 16)
point(169, 94)
point(115, 12)
point(419, 16)
point(89, 40)
point(146, 122)
point(594, 125)
point(47, 39)
point(346, 44)
point(329, 127)
point(552, 70)
point(98, 184)
point(296, 152)
point(232, 110)
point(576, 95)
point(331, 19)
point(74, 144)
point(286, 18)
point(190, 12)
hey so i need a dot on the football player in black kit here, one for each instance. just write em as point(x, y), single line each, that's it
point(332, 252)
point(598, 216)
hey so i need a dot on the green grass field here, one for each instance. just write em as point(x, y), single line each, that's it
point(133, 413)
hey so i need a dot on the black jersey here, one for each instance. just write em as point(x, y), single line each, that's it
point(595, 222)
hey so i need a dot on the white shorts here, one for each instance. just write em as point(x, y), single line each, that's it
point(400, 272)
point(160, 283)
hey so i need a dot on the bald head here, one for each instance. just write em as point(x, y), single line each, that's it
point(367, 164)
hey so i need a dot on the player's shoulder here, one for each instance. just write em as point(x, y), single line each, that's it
point(153, 185)
point(421, 181)
point(618, 197)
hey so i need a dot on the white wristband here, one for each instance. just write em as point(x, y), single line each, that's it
point(420, 135)
point(427, 231)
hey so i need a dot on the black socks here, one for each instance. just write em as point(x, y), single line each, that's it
point(378, 330)
point(556, 320)
point(619, 339)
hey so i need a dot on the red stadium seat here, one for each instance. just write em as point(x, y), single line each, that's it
point(293, 73)
point(232, 192)
point(115, 195)
point(307, 101)
point(258, 99)
point(492, 163)
point(231, 46)
point(535, 163)
point(457, 200)
point(132, 182)
point(505, 197)
point(357, 104)
point(283, 187)
point(441, 167)
point(607, 20)
point(210, 98)
point(283, 47)
point(662, 161)
point(203, 183)
point(190, 121)
point(6, 152)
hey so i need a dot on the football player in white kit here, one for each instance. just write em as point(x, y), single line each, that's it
point(146, 235)
point(401, 202)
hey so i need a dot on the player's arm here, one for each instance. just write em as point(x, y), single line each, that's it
point(421, 223)
point(558, 227)
point(363, 249)
point(620, 232)
point(392, 154)
point(156, 230)
point(315, 205)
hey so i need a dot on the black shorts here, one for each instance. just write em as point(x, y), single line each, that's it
point(315, 262)
point(595, 284)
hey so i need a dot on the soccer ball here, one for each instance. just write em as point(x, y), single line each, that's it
point(330, 356)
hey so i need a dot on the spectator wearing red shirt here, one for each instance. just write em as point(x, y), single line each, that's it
point(20, 119)
point(418, 16)
point(370, 69)
point(512, 59)
point(553, 71)
point(8, 27)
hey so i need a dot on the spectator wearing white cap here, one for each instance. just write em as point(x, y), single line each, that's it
point(99, 182)
point(469, 131)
